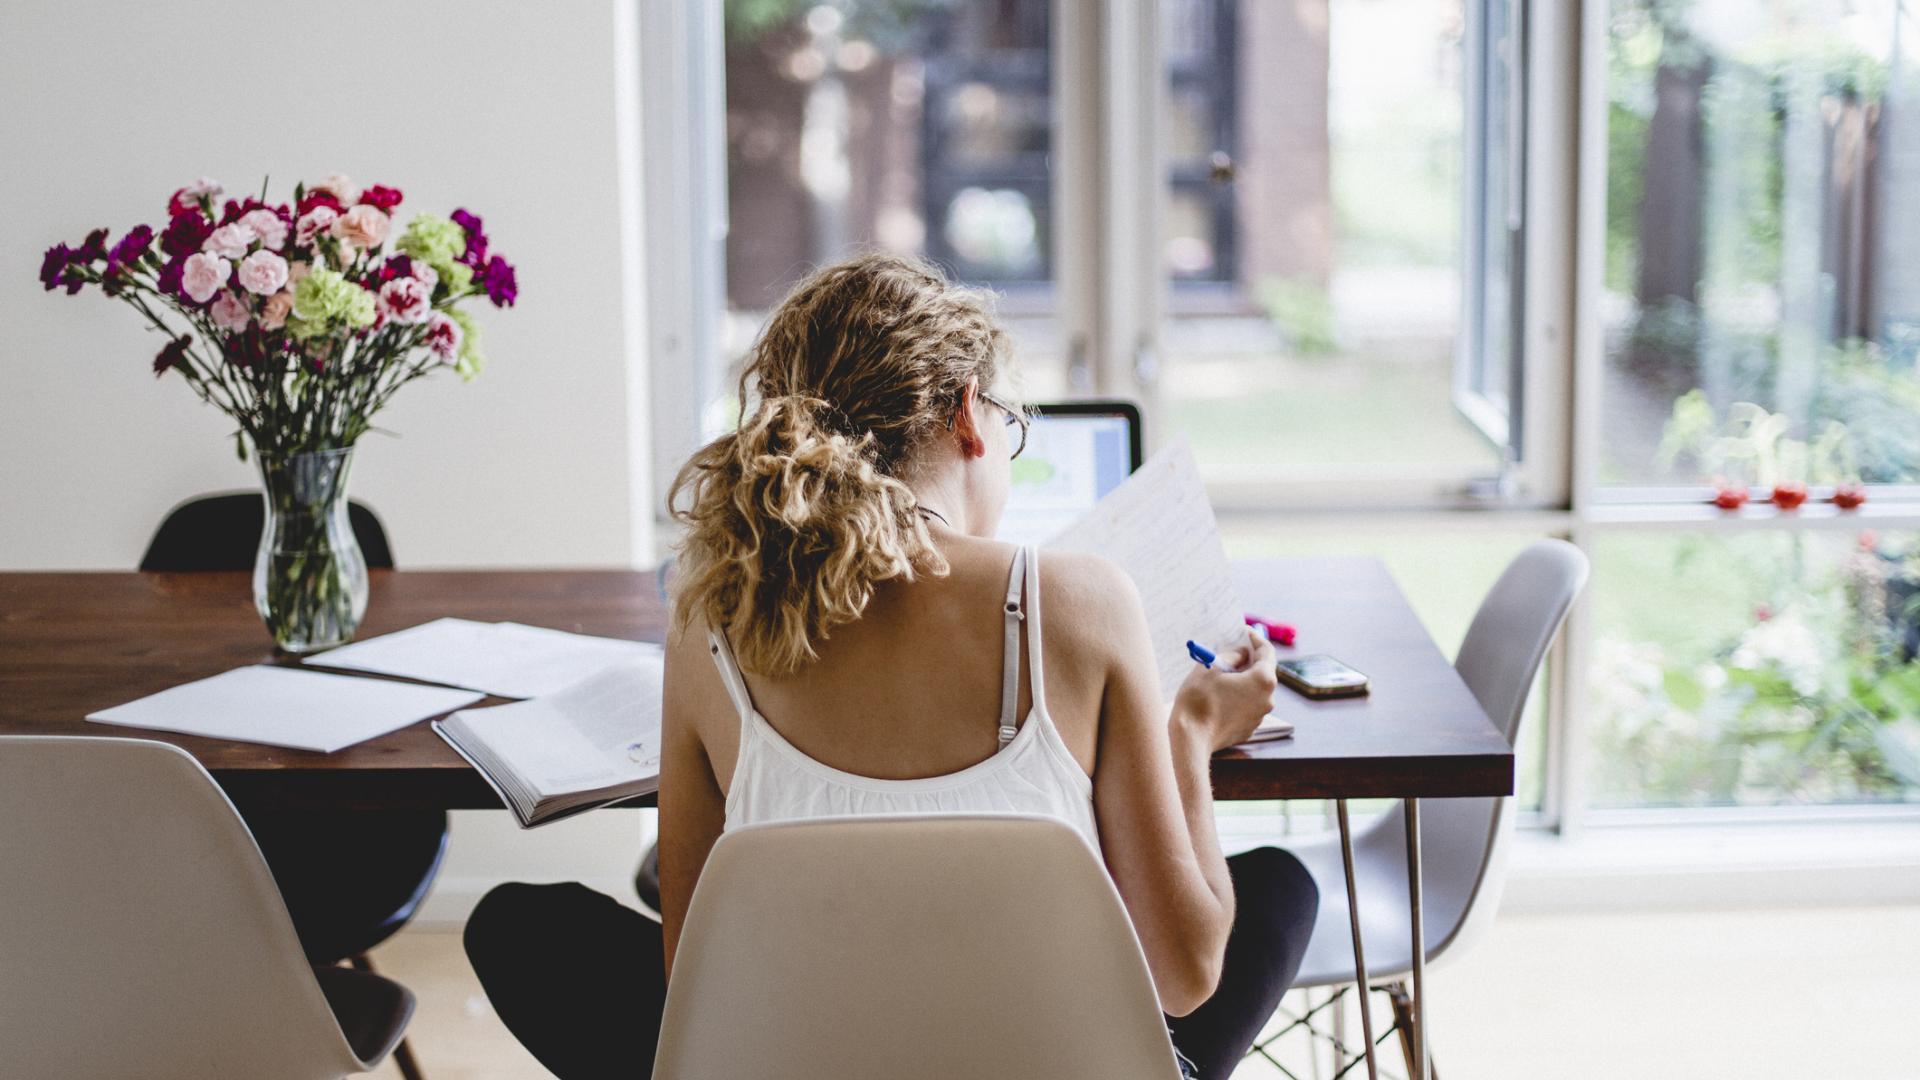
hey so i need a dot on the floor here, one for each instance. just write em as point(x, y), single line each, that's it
point(1749, 994)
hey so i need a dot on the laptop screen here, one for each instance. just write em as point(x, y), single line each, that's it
point(1076, 453)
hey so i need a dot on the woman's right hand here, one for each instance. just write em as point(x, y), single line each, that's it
point(1228, 700)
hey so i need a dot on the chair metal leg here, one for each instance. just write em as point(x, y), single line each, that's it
point(1402, 1020)
point(1359, 952)
point(1417, 1015)
point(402, 1052)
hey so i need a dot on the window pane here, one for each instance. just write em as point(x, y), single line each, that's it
point(916, 126)
point(1762, 242)
point(1755, 668)
point(1314, 154)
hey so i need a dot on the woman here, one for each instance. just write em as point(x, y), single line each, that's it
point(845, 634)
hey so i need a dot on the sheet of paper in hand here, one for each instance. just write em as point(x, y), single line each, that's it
point(1159, 527)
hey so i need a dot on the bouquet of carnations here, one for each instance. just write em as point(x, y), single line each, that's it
point(296, 320)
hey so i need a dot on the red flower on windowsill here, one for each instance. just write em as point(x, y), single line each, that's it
point(1729, 496)
point(1789, 496)
point(1849, 496)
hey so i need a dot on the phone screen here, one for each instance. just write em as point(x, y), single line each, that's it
point(1323, 672)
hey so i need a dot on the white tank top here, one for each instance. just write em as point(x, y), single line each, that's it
point(1032, 773)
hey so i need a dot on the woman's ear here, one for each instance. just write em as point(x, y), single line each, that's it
point(966, 423)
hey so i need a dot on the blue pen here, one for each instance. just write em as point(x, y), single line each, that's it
point(1200, 654)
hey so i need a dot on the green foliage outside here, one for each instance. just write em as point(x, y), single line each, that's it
point(1755, 668)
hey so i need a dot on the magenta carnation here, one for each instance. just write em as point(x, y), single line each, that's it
point(476, 253)
point(381, 197)
point(131, 246)
point(171, 356)
point(317, 197)
point(503, 288)
point(185, 233)
point(53, 265)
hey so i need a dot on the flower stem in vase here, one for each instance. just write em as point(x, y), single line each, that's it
point(310, 578)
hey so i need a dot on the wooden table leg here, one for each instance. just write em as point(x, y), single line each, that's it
point(1359, 952)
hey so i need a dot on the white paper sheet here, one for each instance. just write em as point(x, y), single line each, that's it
point(507, 659)
point(282, 706)
point(1159, 527)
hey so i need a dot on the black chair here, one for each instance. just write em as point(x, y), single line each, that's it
point(351, 878)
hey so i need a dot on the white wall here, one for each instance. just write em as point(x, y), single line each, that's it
point(523, 112)
point(507, 108)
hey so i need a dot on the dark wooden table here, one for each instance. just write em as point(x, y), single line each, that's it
point(73, 643)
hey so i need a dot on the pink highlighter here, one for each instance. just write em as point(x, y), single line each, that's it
point(1277, 632)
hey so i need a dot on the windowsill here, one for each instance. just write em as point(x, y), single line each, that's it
point(1746, 865)
point(1679, 866)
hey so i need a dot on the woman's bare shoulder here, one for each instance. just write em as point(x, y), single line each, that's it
point(1086, 598)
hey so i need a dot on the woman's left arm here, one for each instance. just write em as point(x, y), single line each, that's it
point(692, 809)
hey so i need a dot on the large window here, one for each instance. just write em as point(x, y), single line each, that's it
point(1759, 309)
point(1335, 243)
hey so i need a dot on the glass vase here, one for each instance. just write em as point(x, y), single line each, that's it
point(310, 578)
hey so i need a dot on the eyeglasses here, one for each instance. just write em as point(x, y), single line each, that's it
point(1015, 418)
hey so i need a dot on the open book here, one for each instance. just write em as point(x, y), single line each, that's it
point(593, 743)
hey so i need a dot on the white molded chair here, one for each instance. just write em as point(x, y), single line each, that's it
point(1463, 841)
point(963, 947)
point(141, 933)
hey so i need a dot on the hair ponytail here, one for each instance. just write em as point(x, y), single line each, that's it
point(794, 518)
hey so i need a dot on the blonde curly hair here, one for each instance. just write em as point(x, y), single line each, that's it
point(796, 516)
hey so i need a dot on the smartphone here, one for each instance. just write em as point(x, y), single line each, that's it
point(1321, 677)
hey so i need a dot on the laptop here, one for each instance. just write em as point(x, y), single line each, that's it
point(1076, 452)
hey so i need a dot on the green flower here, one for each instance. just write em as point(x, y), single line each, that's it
point(469, 362)
point(360, 308)
point(326, 296)
point(456, 277)
point(434, 240)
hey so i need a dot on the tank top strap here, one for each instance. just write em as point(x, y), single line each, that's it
point(1036, 673)
point(722, 653)
point(1010, 661)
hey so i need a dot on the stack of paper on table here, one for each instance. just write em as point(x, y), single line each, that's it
point(1159, 527)
point(283, 706)
point(505, 659)
point(596, 742)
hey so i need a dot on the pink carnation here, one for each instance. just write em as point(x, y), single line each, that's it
point(363, 227)
point(268, 226)
point(187, 199)
point(273, 313)
point(230, 312)
point(443, 335)
point(313, 223)
point(406, 300)
point(203, 275)
point(337, 185)
point(263, 273)
point(230, 241)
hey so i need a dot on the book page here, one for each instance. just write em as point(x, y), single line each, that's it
point(599, 732)
point(507, 659)
point(1159, 527)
